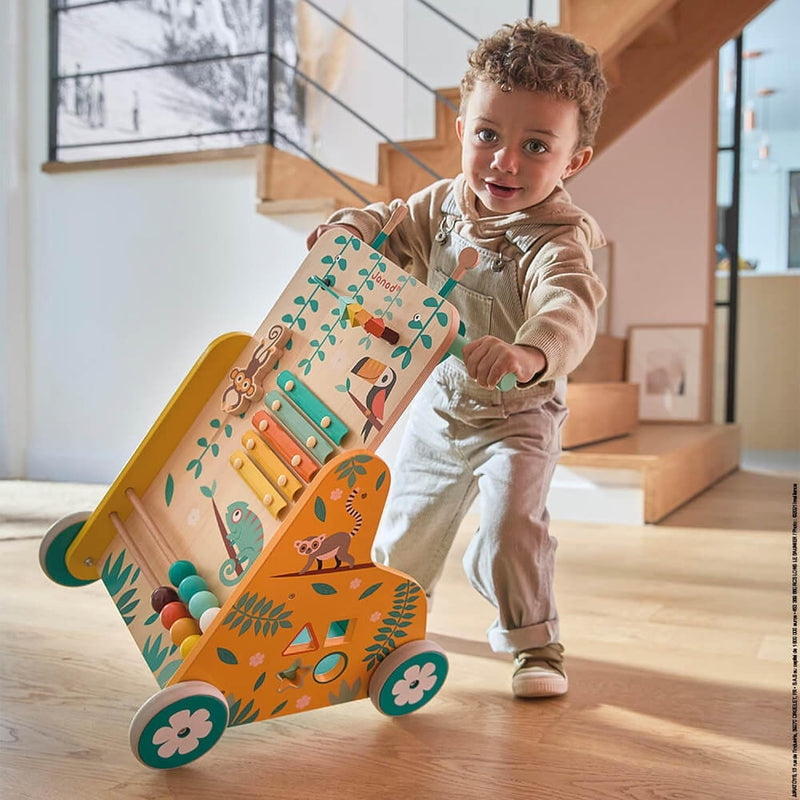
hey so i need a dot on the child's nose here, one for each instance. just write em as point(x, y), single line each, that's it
point(506, 159)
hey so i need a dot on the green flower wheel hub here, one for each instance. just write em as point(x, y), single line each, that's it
point(53, 549)
point(408, 678)
point(178, 725)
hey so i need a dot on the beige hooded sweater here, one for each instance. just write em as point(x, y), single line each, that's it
point(550, 243)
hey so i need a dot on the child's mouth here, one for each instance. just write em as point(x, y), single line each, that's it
point(501, 192)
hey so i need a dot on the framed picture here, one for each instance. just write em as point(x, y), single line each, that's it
point(667, 363)
point(154, 77)
point(603, 259)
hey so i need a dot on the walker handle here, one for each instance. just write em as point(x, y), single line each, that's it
point(508, 381)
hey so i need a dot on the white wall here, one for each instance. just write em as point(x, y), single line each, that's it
point(651, 193)
point(13, 240)
point(130, 274)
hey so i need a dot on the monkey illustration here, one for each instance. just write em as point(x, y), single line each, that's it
point(336, 546)
point(245, 384)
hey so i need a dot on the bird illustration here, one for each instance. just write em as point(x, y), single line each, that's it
point(383, 379)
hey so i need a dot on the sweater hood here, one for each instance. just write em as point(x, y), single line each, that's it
point(557, 209)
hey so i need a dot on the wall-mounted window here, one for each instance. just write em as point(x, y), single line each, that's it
point(144, 77)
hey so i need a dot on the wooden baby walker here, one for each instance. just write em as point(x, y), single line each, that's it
point(236, 542)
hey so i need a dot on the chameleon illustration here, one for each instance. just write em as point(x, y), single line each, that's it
point(246, 534)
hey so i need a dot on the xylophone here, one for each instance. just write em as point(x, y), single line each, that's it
point(236, 542)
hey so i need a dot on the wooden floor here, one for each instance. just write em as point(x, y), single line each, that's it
point(678, 646)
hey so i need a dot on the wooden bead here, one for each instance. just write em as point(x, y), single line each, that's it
point(183, 627)
point(180, 570)
point(161, 597)
point(207, 617)
point(188, 644)
point(201, 602)
point(190, 586)
point(172, 612)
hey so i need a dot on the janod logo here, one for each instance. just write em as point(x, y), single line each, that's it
point(381, 281)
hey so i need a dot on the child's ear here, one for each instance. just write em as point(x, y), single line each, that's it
point(460, 128)
point(580, 158)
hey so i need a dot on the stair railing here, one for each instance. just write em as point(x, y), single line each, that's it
point(439, 98)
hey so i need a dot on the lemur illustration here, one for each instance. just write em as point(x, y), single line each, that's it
point(245, 383)
point(247, 535)
point(336, 545)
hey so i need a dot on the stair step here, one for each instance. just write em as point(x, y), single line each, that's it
point(284, 176)
point(599, 411)
point(642, 477)
point(324, 206)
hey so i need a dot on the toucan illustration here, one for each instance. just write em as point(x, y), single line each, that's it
point(383, 379)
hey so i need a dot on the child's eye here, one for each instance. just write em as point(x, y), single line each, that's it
point(535, 146)
point(487, 135)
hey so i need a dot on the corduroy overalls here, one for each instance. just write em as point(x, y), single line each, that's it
point(463, 441)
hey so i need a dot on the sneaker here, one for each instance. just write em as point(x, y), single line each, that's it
point(540, 672)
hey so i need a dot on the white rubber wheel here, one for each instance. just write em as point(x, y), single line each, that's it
point(408, 678)
point(178, 725)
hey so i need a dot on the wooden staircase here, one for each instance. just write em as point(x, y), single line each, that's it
point(614, 471)
point(648, 48)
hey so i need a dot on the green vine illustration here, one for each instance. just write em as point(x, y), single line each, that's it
point(329, 338)
point(154, 654)
point(351, 468)
point(392, 300)
point(241, 716)
point(400, 617)
point(346, 692)
point(327, 281)
point(196, 464)
point(417, 324)
point(311, 301)
point(115, 577)
point(257, 613)
point(168, 671)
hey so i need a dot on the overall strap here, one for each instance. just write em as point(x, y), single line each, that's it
point(449, 205)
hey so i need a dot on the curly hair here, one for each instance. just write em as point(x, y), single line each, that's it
point(532, 56)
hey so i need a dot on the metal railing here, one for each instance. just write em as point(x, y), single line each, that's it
point(269, 132)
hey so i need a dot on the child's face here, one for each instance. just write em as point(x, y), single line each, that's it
point(517, 145)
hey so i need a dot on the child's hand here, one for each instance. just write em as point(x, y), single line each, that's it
point(320, 229)
point(487, 359)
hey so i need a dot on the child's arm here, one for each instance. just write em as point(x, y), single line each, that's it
point(410, 244)
point(561, 295)
point(488, 359)
point(320, 229)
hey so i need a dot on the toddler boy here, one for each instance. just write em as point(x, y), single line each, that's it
point(530, 107)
